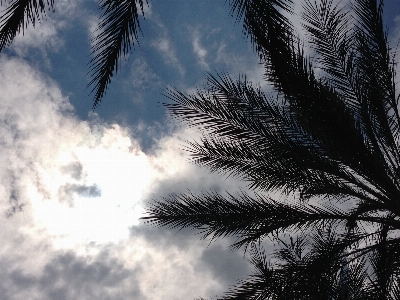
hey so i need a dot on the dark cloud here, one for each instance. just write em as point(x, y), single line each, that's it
point(92, 191)
point(74, 170)
point(16, 199)
point(227, 266)
point(67, 191)
point(167, 237)
point(68, 277)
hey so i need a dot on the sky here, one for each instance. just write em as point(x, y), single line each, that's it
point(74, 182)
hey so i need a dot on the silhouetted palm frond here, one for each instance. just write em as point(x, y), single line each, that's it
point(118, 30)
point(314, 266)
point(252, 219)
point(18, 14)
point(263, 284)
point(328, 128)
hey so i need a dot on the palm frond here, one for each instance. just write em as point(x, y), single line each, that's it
point(259, 138)
point(301, 274)
point(248, 219)
point(243, 8)
point(118, 31)
point(333, 40)
point(263, 284)
point(331, 135)
point(18, 14)
point(375, 73)
point(320, 112)
point(385, 262)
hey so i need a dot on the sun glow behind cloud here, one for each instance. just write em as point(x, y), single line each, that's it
point(84, 185)
point(83, 181)
point(106, 195)
point(118, 174)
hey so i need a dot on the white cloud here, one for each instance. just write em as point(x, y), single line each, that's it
point(142, 79)
point(43, 36)
point(142, 75)
point(92, 23)
point(167, 50)
point(200, 51)
point(67, 8)
point(49, 143)
point(84, 185)
point(165, 47)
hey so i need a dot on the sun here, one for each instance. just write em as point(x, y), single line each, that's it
point(122, 176)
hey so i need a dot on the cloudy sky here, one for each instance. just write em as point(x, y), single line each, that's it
point(73, 182)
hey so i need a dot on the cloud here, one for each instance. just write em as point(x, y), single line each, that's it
point(238, 64)
point(73, 169)
point(92, 24)
point(68, 276)
point(200, 51)
point(52, 159)
point(167, 50)
point(66, 192)
point(130, 270)
point(147, 9)
point(45, 36)
point(84, 185)
point(68, 9)
point(142, 75)
point(142, 79)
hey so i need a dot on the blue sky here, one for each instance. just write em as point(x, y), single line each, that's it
point(181, 41)
point(85, 176)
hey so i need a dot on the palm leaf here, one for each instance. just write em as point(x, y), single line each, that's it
point(118, 31)
point(320, 112)
point(333, 40)
point(334, 138)
point(386, 266)
point(18, 14)
point(300, 274)
point(248, 134)
point(263, 284)
point(248, 219)
point(374, 66)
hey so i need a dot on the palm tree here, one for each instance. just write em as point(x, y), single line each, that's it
point(329, 132)
point(118, 31)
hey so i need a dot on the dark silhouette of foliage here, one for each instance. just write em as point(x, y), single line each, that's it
point(328, 132)
point(16, 17)
point(118, 31)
